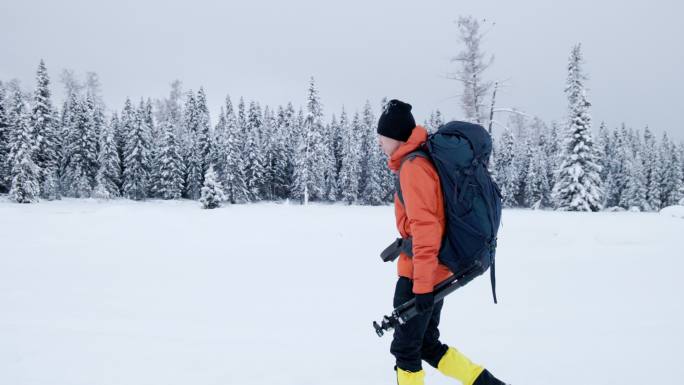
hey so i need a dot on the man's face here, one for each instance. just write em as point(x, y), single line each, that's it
point(388, 145)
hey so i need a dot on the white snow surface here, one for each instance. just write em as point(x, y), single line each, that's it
point(673, 211)
point(142, 293)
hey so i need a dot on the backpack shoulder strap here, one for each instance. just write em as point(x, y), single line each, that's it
point(409, 156)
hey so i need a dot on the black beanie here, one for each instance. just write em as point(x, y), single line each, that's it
point(396, 121)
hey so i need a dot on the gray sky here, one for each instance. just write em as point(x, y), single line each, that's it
point(358, 50)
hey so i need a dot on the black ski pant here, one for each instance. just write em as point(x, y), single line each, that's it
point(419, 337)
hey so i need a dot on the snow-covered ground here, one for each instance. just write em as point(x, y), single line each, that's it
point(126, 293)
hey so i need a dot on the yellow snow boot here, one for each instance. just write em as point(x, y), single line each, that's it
point(410, 378)
point(454, 364)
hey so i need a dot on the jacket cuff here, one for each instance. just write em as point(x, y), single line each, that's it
point(422, 288)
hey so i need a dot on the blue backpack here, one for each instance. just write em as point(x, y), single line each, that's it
point(460, 152)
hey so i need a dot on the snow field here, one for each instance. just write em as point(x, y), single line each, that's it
point(160, 292)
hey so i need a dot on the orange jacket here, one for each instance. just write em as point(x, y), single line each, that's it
point(421, 216)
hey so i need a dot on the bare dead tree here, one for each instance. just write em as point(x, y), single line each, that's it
point(473, 63)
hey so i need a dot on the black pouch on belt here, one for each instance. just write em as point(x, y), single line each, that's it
point(399, 245)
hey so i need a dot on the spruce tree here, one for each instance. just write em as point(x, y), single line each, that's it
point(192, 158)
point(652, 170)
point(281, 152)
point(81, 155)
point(290, 131)
point(234, 174)
point(108, 177)
point(329, 163)
point(203, 136)
point(672, 173)
point(218, 147)
point(522, 159)
point(634, 196)
point(137, 157)
point(578, 187)
point(434, 122)
point(537, 189)
point(605, 151)
point(505, 171)
point(253, 153)
point(373, 193)
point(212, 193)
point(368, 141)
point(338, 138)
point(616, 182)
point(25, 175)
point(5, 179)
point(351, 156)
point(44, 134)
point(309, 176)
point(169, 164)
point(268, 146)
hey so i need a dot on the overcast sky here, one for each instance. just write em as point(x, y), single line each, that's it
point(358, 50)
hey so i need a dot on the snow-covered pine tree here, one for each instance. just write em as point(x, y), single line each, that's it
point(351, 158)
point(169, 164)
point(253, 153)
point(337, 132)
point(219, 140)
point(203, 145)
point(268, 146)
point(553, 151)
point(616, 182)
point(212, 192)
point(192, 159)
point(329, 163)
point(156, 142)
point(5, 179)
point(24, 187)
point(672, 174)
point(234, 179)
point(96, 122)
point(578, 187)
point(374, 191)
point(523, 151)
point(434, 122)
point(472, 66)
point(108, 178)
point(137, 157)
point(16, 111)
point(309, 176)
point(368, 141)
point(81, 155)
point(652, 170)
point(281, 143)
point(290, 131)
point(505, 169)
point(97, 117)
point(63, 129)
point(537, 190)
point(45, 137)
point(605, 151)
point(116, 126)
point(634, 196)
point(681, 157)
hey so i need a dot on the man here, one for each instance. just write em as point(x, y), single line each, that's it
point(422, 217)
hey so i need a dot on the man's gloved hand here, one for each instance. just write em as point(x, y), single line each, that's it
point(424, 302)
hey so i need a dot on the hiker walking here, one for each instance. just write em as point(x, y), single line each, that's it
point(420, 217)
